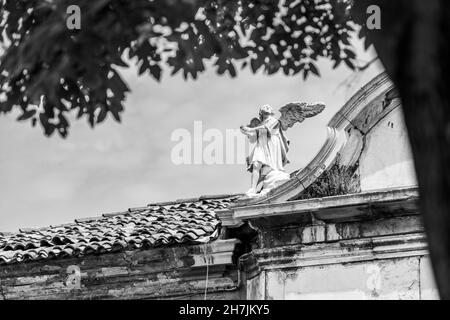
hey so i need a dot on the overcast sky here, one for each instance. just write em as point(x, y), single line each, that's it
point(47, 181)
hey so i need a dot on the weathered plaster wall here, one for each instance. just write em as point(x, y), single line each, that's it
point(401, 278)
point(393, 279)
point(386, 160)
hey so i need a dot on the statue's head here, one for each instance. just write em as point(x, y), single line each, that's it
point(265, 111)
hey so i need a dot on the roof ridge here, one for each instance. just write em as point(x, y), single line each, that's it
point(221, 196)
point(194, 199)
point(26, 230)
point(88, 219)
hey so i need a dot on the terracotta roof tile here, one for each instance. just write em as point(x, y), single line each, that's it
point(181, 221)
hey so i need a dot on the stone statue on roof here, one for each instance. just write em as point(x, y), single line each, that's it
point(269, 146)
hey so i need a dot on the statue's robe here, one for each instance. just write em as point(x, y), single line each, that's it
point(270, 146)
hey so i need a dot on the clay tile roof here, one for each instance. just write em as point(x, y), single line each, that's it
point(168, 223)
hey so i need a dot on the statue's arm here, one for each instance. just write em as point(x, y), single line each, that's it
point(245, 130)
point(266, 127)
point(255, 128)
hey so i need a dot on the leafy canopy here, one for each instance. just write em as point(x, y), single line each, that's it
point(77, 70)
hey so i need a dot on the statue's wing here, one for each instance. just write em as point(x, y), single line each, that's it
point(298, 112)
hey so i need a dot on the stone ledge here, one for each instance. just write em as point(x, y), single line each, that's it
point(345, 251)
point(382, 203)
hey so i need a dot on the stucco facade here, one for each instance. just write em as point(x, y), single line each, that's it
point(386, 161)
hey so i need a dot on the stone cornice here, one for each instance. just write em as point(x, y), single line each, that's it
point(332, 209)
point(219, 252)
point(345, 251)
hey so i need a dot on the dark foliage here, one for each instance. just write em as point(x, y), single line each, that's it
point(77, 70)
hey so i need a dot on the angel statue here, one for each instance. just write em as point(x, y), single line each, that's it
point(269, 146)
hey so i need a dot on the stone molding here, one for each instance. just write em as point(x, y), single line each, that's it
point(340, 252)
